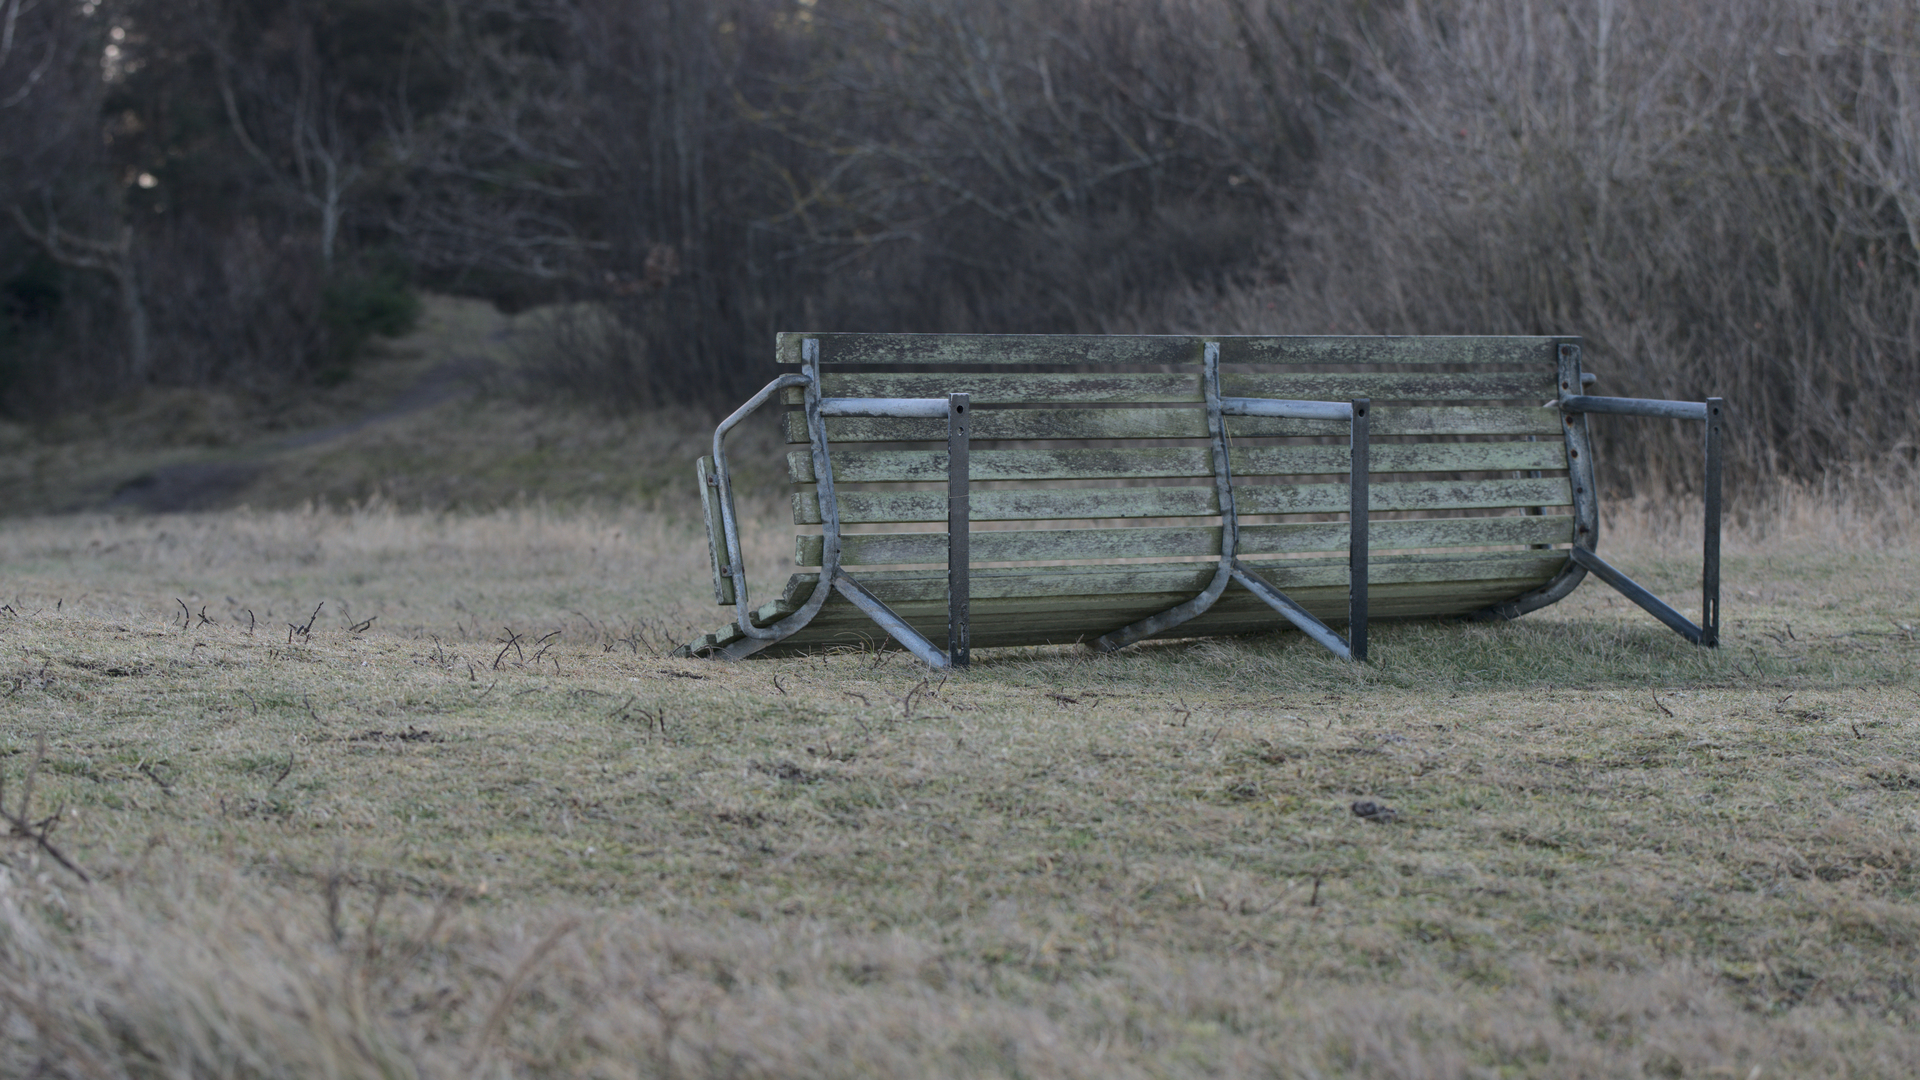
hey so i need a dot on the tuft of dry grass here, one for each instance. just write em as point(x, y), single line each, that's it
point(208, 975)
point(454, 843)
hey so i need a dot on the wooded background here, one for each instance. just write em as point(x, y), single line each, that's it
point(1722, 198)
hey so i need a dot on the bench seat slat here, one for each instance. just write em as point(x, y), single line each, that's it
point(1094, 545)
point(1014, 614)
point(1067, 387)
point(1112, 610)
point(879, 466)
point(1041, 504)
point(1045, 585)
point(1082, 618)
point(1095, 350)
point(1151, 423)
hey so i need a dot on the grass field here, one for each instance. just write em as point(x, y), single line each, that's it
point(387, 777)
point(493, 833)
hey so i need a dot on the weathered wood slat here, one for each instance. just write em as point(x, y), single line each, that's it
point(873, 466)
point(1107, 613)
point(1094, 545)
point(1103, 613)
point(1232, 614)
point(1094, 388)
point(1105, 350)
point(716, 535)
point(1045, 586)
point(1042, 504)
point(1087, 609)
point(1151, 423)
point(839, 624)
point(957, 349)
point(1504, 351)
point(1420, 495)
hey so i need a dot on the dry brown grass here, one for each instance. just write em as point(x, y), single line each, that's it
point(444, 419)
point(424, 849)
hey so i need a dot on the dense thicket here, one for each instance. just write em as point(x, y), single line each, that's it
point(1720, 197)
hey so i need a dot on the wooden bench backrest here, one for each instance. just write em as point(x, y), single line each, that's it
point(1103, 439)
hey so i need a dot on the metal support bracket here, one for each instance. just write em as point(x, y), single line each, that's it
point(1230, 568)
point(956, 409)
point(1712, 412)
point(1354, 647)
point(959, 531)
point(1575, 404)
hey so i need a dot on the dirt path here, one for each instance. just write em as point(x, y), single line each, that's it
point(210, 485)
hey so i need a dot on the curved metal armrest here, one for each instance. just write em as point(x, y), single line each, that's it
point(723, 480)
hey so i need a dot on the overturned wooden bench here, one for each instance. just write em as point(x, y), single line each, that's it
point(991, 491)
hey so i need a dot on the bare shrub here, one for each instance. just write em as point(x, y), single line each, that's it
point(923, 165)
point(1721, 198)
point(238, 310)
point(1015, 166)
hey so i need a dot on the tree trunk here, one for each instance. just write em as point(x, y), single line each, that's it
point(133, 309)
point(113, 258)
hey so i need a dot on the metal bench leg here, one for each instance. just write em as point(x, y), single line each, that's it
point(1710, 543)
point(833, 578)
point(1355, 646)
point(1291, 611)
point(1229, 531)
point(1575, 405)
point(959, 529)
point(755, 638)
point(1713, 411)
point(895, 626)
point(1638, 593)
point(1230, 566)
point(1357, 544)
point(958, 413)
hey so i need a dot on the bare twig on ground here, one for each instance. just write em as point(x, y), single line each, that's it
point(21, 821)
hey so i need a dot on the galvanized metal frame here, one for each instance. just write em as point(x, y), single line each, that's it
point(1572, 401)
point(1575, 405)
point(833, 578)
point(1586, 496)
point(959, 529)
point(1712, 413)
point(1229, 534)
point(1230, 568)
point(1354, 647)
point(721, 480)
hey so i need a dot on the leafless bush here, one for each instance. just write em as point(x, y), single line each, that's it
point(237, 310)
point(1023, 166)
point(910, 165)
point(1722, 199)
